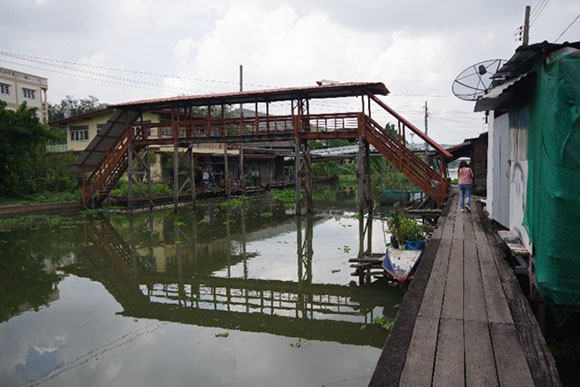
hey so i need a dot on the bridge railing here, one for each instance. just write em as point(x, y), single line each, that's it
point(167, 131)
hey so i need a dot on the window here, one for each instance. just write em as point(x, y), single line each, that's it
point(79, 133)
point(100, 128)
point(4, 89)
point(29, 93)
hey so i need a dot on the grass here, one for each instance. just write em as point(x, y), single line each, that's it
point(53, 221)
point(43, 197)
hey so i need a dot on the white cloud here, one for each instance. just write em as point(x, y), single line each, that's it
point(280, 43)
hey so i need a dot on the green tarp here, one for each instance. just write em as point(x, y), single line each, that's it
point(552, 214)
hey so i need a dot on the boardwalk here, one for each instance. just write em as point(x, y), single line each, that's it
point(464, 320)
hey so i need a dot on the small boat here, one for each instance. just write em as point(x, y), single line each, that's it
point(400, 264)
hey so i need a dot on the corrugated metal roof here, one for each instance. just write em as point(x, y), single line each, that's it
point(500, 95)
point(79, 117)
point(525, 58)
point(270, 95)
point(511, 82)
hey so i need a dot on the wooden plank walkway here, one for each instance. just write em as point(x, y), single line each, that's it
point(464, 319)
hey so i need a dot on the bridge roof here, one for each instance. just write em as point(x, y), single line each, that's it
point(337, 90)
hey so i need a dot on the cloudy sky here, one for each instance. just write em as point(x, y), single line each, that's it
point(165, 48)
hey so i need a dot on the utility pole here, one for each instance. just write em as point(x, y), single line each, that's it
point(526, 37)
point(241, 156)
point(426, 129)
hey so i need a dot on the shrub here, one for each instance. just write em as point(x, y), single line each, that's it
point(405, 228)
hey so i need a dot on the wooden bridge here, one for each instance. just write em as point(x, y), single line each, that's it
point(122, 144)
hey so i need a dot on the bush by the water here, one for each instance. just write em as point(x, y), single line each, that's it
point(287, 196)
point(27, 171)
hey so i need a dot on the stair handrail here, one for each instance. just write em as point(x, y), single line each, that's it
point(423, 165)
point(418, 167)
point(102, 171)
point(408, 124)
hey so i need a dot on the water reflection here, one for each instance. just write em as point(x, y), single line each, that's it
point(173, 274)
point(132, 288)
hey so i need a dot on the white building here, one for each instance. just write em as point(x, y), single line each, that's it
point(17, 87)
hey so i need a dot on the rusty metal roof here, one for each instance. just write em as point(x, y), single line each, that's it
point(350, 89)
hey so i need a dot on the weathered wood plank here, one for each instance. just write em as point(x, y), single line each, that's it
point(420, 361)
point(474, 308)
point(512, 368)
point(450, 362)
point(479, 360)
point(439, 230)
point(539, 358)
point(391, 363)
point(448, 229)
point(495, 301)
point(468, 233)
point(433, 297)
point(453, 296)
point(458, 228)
point(450, 220)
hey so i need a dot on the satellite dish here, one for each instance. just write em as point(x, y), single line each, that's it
point(475, 80)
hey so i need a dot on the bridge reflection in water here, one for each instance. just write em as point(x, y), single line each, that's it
point(175, 277)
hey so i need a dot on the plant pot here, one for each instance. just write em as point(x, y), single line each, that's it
point(415, 245)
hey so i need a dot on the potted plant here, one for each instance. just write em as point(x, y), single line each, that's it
point(406, 231)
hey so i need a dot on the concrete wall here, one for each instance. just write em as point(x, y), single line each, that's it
point(17, 81)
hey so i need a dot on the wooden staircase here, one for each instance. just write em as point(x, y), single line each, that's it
point(393, 147)
point(418, 171)
point(105, 159)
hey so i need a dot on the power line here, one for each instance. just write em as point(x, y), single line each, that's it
point(156, 88)
point(539, 12)
point(567, 28)
point(114, 77)
point(536, 7)
point(139, 72)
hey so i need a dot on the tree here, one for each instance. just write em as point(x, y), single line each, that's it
point(22, 145)
point(70, 107)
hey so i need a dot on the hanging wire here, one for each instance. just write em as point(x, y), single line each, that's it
point(567, 28)
point(537, 16)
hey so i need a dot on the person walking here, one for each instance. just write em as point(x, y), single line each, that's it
point(465, 175)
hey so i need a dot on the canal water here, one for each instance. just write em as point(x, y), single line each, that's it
point(225, 293)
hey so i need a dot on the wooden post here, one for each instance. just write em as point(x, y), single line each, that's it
point(129, 170)
point(192, 173)
point(243, 228)
point(175, 175)
point(367, 178)
point(360, 175)
point(361, 236)
point(308, 235)
point(226, 171)
point(307, 176)
point(242, 169)
point(370, 233)
point(297, 180)
point(148, 176)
